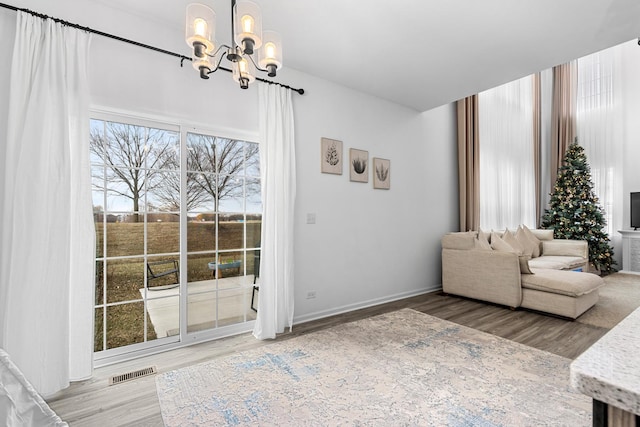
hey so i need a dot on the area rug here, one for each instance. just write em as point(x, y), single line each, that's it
point(619, 297)
point(402, 368)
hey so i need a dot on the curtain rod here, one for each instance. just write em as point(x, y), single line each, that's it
point(133, 42)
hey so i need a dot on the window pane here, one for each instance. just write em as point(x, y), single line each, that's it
point(201, 232)
point(125, 279)
point(124, 145)
point(98, 331)
point(125, 324)
point(201, 192)
point(231, 231)
point(96, 141)
point(252, 159)
point(254, 196)
point(164, 315)
point(163, 192)
point(125, 190)
point(162, 149)
point(163, 233)
point(230, 193)
point(198, 268)
point(201, 153)
point(229, 265)
point(163, 273)
point(99, 283)
point(99, 227)
point(234, 306)
point(201, 309)
point(125, 238)
point(230, 156)
point(254, 230)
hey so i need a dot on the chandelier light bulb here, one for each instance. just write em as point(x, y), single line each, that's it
point(200, 27)
point(248, 24)
point(270, 50)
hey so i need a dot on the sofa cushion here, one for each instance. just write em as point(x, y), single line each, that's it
point(462, 241)
point(557, 262)
point(568, 283)
point(565, 247)
point(542, 234)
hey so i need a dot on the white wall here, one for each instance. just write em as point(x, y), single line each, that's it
point(631, 132)
point(367, 245)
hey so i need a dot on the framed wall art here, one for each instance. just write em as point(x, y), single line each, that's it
point(358, 165)
point(331, 156)
point(381, 173)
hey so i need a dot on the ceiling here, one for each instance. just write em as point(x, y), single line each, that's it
point(423, 53)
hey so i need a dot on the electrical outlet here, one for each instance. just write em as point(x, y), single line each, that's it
point(311, 218)
point(311, 294)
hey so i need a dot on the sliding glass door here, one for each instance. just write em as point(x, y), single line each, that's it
point(178, 220)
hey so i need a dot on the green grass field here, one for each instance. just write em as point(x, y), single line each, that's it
point(125, 277)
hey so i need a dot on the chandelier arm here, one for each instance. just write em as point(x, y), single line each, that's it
point(256, 65)
point(218, 64)
point(217, 51)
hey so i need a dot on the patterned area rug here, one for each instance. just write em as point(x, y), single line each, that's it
point(619, 297)
point(402, 368)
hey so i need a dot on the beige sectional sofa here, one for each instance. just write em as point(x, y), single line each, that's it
point(555, 280)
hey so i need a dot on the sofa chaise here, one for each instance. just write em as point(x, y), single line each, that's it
point(552, 279)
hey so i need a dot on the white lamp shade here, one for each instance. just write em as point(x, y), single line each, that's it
point(200, 26)
point(271, 51)
point(248, 23)
point(245, 70)
point(202, 62)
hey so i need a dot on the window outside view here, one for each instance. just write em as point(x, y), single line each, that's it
point(160, 220)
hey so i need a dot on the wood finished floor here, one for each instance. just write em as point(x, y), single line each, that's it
point(135, 403)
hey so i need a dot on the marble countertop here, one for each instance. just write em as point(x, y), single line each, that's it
point(609, 370)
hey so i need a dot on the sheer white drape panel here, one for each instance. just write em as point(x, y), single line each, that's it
point(507, 178)
point(599, 128)
point(278, 175)
point(48, 237)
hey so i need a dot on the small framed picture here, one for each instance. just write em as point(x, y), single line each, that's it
point(331, 156)
point(358, 165)
point(381, 173)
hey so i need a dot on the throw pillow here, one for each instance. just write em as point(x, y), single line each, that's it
point(528, 245)
point(482, 244)
point(497, 244)
point(484, 235)
point(524, 264)
point(534, 239)
point(511, 240)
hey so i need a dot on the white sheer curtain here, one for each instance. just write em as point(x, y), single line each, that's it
point(507, 177)
point(599, 129)
point(48, 238)
point(278, 174)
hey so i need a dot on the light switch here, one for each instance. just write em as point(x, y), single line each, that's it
point(311, 218)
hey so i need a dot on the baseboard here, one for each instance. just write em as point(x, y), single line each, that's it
point(363, 304)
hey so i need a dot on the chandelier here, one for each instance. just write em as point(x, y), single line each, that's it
point(251, 48)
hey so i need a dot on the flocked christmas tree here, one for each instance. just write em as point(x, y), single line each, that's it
point(574, 211)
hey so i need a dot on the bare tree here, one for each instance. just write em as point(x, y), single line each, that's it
point(168, 192)
point(219, 161)
point(134, 156)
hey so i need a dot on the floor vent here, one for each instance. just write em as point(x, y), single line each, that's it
point(117, 379)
